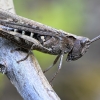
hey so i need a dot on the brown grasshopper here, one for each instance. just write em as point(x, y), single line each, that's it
point(32, 35)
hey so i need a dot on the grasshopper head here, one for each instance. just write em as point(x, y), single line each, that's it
point(81, 45)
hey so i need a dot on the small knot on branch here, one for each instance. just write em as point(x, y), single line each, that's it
point(3, 69)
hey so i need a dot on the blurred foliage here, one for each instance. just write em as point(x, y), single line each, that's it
point(1, 84)
point(61, 14)
point(77, 80)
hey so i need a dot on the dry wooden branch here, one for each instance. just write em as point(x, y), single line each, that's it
point(26, 76)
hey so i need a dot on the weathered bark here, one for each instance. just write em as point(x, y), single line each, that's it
point(26, 76)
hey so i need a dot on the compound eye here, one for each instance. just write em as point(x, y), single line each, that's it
point(84, 41)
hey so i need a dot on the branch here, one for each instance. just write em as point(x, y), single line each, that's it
point(26, 76)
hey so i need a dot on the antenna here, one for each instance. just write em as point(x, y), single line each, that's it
point(94, 39)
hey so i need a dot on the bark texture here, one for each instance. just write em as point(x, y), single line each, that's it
point(26, 76)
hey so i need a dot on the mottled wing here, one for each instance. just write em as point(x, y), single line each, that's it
point(12, 20)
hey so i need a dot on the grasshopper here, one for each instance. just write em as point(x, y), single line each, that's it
point(32, 35)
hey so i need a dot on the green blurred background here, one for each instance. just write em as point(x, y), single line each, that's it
point(78, 80)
